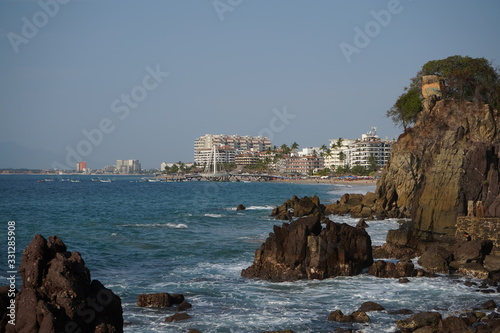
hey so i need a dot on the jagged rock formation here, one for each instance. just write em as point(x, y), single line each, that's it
point(356, 205)
point(299, 207)
point(304, 249)
point(58, 295)
point(449, 158)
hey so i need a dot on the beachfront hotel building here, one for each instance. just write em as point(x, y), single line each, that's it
point(345, 152)
point(227, 146)
point(128, 166)
point(300, 165)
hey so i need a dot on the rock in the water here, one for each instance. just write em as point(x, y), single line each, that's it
point(184, 306)
point(303, 249)
point(295, 207)
point(370, 306)
point(158, 300)
point(362, 224)
point(58, 295)
point(386, 269)
point(241, 207)
point(419, 320)
point(178, 317)
point(356, 316)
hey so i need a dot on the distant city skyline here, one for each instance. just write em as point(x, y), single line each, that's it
point(105, 81)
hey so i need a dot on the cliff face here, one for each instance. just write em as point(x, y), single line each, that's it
point(450, 157)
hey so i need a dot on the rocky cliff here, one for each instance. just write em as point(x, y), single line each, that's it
point(449, 159)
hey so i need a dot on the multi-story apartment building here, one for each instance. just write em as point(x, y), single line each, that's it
point(340, 153)
point(345, 152)
point(247, 158)
point(128, 166)
point(223, 154)
point(228, 145)
point(302, 165)
point(370, 147)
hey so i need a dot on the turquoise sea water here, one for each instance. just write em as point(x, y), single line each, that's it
point(141, 237)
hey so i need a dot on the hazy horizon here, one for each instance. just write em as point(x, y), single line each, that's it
point(142, 80)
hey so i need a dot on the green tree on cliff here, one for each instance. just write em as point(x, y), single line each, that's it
point(463, 78)
point(407, 107)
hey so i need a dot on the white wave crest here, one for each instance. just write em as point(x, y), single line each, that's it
point(158, 225)
point(213, 215)
point(268, 207)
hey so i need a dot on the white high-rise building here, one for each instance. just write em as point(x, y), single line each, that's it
point(227, 146)
point(128, 166)
point(340, 153)
point(362, 151)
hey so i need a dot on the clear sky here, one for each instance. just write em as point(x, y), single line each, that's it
point(121, 79)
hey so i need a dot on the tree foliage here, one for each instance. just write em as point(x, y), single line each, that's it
point(463, 78)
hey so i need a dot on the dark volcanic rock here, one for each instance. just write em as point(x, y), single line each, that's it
point(386, 269)
point(370, 306)
point(295, 207)
point(178, 317)
point(58, 295)
point(356, 205)
point(241, 207)
point(453, 325)
point(436, 259)
point(419, 320)
point(303, 249)
point(356, 316)
point(472, 251)
point(362, 224)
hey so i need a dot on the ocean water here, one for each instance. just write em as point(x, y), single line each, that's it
point(142, 237)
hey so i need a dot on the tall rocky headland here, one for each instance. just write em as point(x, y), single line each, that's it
point(445, 166)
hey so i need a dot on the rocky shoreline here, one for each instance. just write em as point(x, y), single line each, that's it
point(299, 250)
point(308, 246)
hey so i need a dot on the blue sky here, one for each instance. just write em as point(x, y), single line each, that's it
point(108, 80)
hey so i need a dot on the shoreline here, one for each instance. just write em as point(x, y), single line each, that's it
point(356, 182)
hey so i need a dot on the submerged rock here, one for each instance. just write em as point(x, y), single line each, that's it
point(303, 249)
point(178, 317)
point(58, 295)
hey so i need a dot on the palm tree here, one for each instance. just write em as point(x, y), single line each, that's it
point(295, 145)
point(339, 142)
point(342, 156)
point(285, 149)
